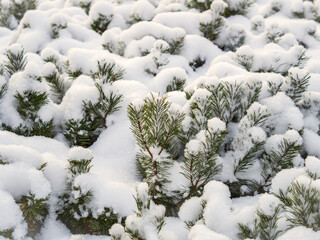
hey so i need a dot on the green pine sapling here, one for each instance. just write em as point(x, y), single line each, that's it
point(75, 208)
point(155, 124)
point(147, 221)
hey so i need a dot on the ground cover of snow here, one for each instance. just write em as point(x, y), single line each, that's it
point(113, 177)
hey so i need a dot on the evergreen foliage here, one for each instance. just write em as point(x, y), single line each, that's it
point(75, 211)
point(265, 226)
point(34, 212)
point(7, 233)
point(84, 132)
point(297, 83)
point(201, 157)
point(107, 72)
point(281, 157)
point(101, 23)
point(239, 7)
point(155, 125)
point(147, 213)
point(28, 104)
point(56, 28)
point(57, 84)
point(14, 11)
point(176, 84)
point(301, 204)
point(16, 61)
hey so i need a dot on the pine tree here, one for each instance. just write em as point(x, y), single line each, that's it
point(147, 213)
point(101, 15)
point(29, 102)
point(75, 211)
point(107, 72)
point(34, 212)
point(296, 83)
point(155, 125)
point(238, 7)
point(84, 132)
point(159, 55)
point(201, 157)
point(212, 21)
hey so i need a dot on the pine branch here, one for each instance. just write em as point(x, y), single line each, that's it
point(57, 84)
point(108, 72)
point(16, 61)
point(248, 159)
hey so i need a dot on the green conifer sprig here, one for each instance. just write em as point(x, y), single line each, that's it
point(34, 212)
point(297, 85)
point(75, 211)
point(177, 84)
point(73, 74)
point(278, 159)
point(7, 233)
point(80, 132)
point(28, 104)
point(201, 165)
point(19, 8)
point(274, 87)
point(85, 5)
point(301, 204)
point(57, 84)
point(5, 16)
point(101, 23)
point(107, 72)
point(265, 226)
point(145, 211)
point(16, 62)
point(106, 105)
point(56, 28)
point(212, 29)
point(240, 8)
point(245, 162)
point(155, 127)
point(201, 5)
point(175, 46)
point(84, 132)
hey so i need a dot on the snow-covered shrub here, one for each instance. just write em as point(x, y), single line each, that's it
point(28, 94)
point(13, 11)
point(155, 125)
point(84, 128)
point(142, 10)
point(237, 7)
point(16, 59)
point(101, 14)
point(293, 202)
point(58, 23)
point(212, 21)
point(75, 205)
point(146, 223)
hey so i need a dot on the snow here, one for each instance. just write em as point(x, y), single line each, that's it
point(138, 39)
point(193, 203)
point(300, 233)
point(200, 232)
point(79, 153)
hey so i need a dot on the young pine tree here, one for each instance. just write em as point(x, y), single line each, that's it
point(75, 206)
point(30, 99)
point(155, 125)
point(147, 221)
